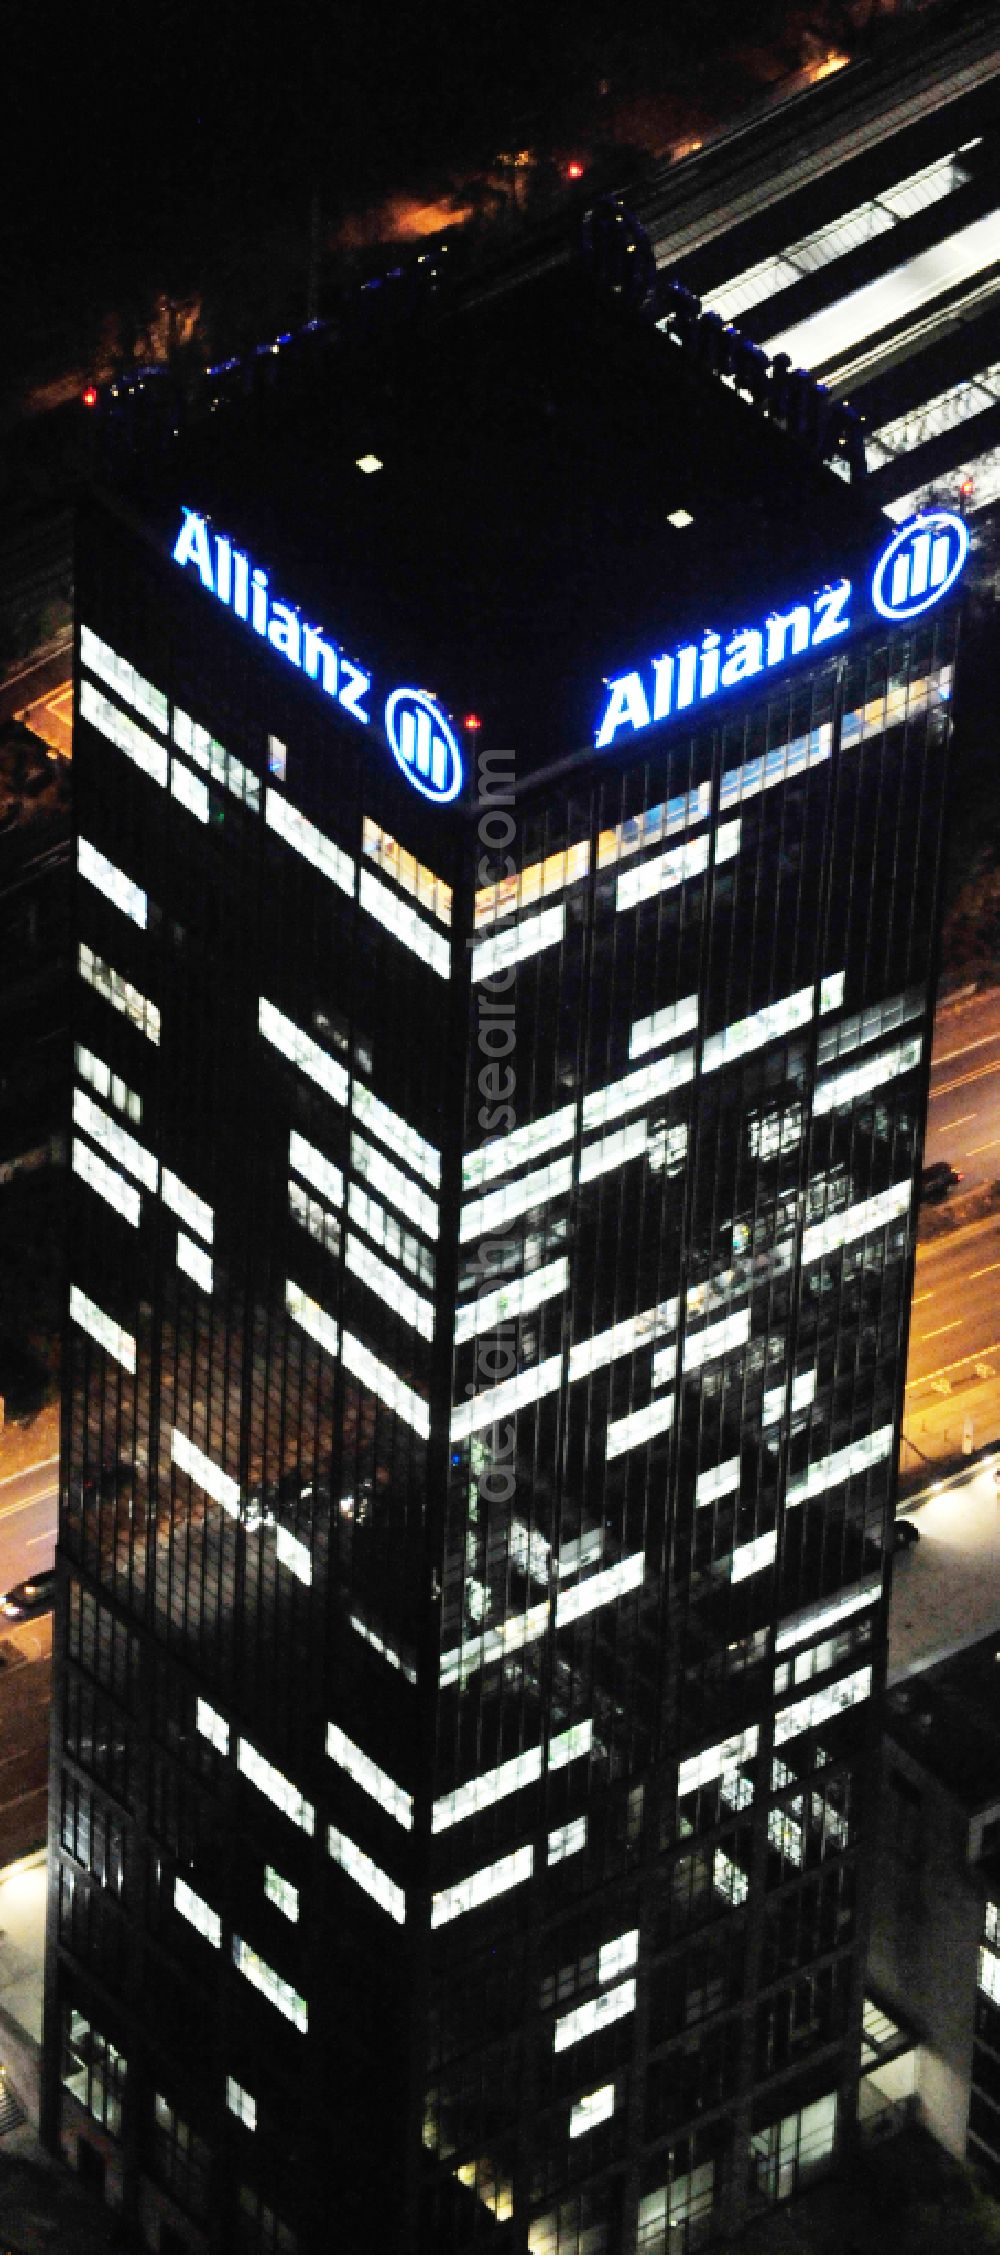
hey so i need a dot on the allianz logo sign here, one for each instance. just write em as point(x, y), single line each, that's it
point(423, 744)
point(417, 731)
point(919, 566)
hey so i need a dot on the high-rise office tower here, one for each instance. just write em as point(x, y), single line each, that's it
point(498, 1112)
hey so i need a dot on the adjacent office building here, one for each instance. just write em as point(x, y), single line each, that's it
point(497, 1116)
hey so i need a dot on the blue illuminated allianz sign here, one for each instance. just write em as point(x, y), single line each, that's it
point(419, 736)
point(917, 568)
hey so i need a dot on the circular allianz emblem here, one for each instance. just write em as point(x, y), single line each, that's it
point(423, 744)
point(920, 564)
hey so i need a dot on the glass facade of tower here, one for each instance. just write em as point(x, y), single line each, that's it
point(490, 1262)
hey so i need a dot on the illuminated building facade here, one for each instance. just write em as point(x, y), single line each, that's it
point(490, 1262)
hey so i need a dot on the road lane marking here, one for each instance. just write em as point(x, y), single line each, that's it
point(48, 1536)
point(972, 1356)
point(982, 1073)
point(959, 1319)
point(983, 1042)
point(27, 1503)
point(26, 1470)
point(975, 1148)
point(918, 1296)
point(989, 1271)
point(962, 1121)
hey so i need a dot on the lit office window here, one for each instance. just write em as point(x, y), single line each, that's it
point(275, 1786)
point(124, 734)
point(108, 1084)
point(779, 766)
point(131, 686)
point(668, 1024)
point(640, 1426)
point(108, 879)
point(213, 758)
point(481, 1216)
point(278, 1992)
point(600, 1589)
point(298, 832)
point(212, 1726)
point(301, 1050)
point(187, 1205)
point(494, 1644)
point(189, 791)
point(720, 1480)
point(874, 1072)
point(813, 1619)
point(482, 1886)
point(118, 1343)
point(509, 1300)
point(385, 1650)
point(570, 1744)
point(112, 1187)
point(843, 1464)
point(625, 1338)
point(728, 1879)
point(296, 1555)
point(310, 1317)
point(803, 1393)
point(594, 2107)
point(281, 1893)
point(115, 1139)
point(720, 1338)
point(240, 2103)
point(399, 1243)
point(195, 1262)
point(504, 1152)
point(856, 1221)
point(367, 1875)
point(410, 875)
point(200, 1468)
point(598, 2012)
point(640, 1087)
point(380, 1380)
point(394, 1185)
point(751, 1557)
point(277, 758)
point(568, 866)
point(403, 923)
point(388, 1286)
point(822, 1706)
point(366, 1773)
point(665, 871)
point(944, 411)
point(314, 1168)
point(516, 941)
point(619, 1955)
point(989, 1975)
point(122, 995)
point(613, 1150)
point(390, 1128)
point(198, 1913)
point(530, 1385)
point(865, 1025)
point(484, 1791)
point(716, 1761)
point(762, 1026)
point(673, 2208)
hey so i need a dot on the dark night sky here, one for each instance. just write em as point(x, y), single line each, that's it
point(141, 144)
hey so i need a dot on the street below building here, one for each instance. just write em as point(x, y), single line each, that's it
point(963, 1122)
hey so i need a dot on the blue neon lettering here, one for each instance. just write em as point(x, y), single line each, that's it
point(192, 547)
point(357, 686)
point(829, 610)
point(627, 707)
point(744, 656)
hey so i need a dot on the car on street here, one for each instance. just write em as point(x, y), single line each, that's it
point(904, 1534)
point(26, 1599)
point(938, 1181)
